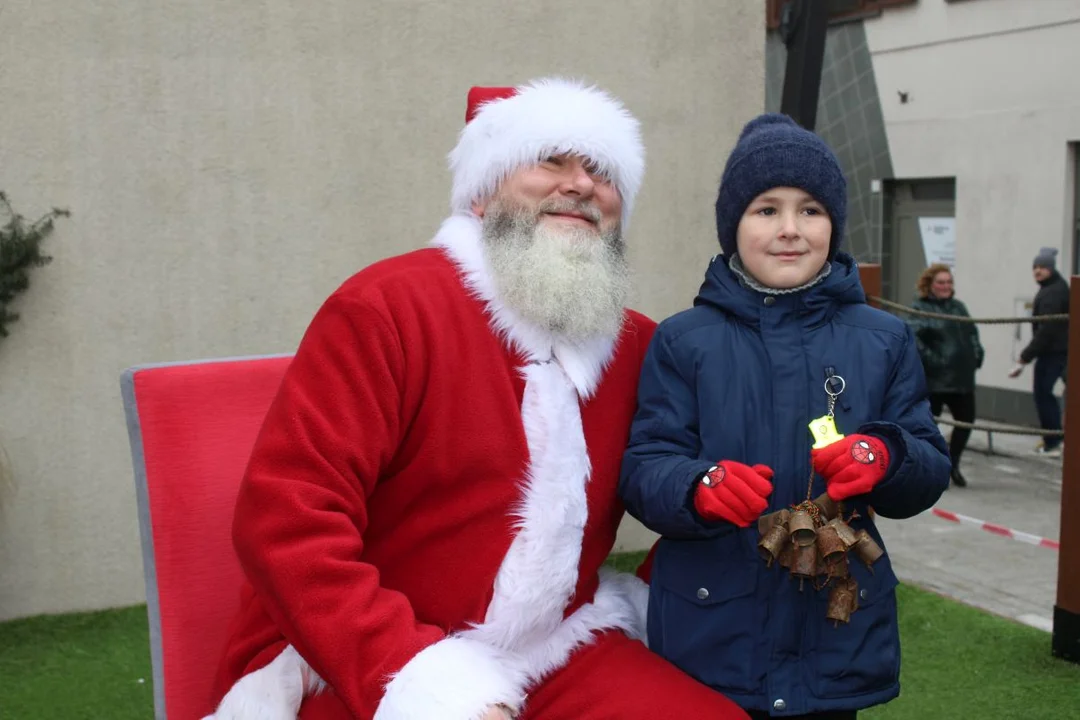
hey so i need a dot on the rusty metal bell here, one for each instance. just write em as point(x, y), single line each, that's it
point(805, 564)
point(867, 548)
point(801, 525)
point(828, 507)
point(843, 600)
point(772, 543)
point(780, 517)
point(838, 570)
point(830, 545)
point(821, 568)
point(844, 531)
point(787, 554)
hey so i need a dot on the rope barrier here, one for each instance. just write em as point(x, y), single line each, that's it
point(1004, 429)
point(1064, 317)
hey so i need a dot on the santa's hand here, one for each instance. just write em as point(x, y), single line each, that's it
point(733, 492)
point(852, 466)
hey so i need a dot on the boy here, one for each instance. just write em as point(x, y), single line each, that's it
point(780, 334)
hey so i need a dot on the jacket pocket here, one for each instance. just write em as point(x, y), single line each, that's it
point(703, 616)
point(863, 655)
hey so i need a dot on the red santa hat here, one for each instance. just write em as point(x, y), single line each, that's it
point(509, 128)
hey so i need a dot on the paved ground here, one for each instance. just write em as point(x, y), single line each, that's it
point(1009, 487)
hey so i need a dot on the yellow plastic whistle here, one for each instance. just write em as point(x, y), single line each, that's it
point(824, 431)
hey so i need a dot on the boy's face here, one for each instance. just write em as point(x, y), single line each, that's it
point(783, 237)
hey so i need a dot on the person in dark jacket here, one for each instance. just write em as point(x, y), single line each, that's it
point(1049, 347)
point(721, 436)
point(950, 352)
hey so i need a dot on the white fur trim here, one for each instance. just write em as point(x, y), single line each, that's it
point(584, 363)
point(536, 581)
point(454, 679)
point(620, 603)
point(632, 595)
point(273, 692)
point(547, 116)
point(538, 576)
point(614, 607)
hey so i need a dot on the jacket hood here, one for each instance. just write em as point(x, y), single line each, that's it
point(722, 289)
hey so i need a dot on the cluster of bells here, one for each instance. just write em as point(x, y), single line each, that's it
point(812, 541)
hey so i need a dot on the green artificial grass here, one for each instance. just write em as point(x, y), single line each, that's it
point(626, 562)
point(959, 663)
point(85, 666)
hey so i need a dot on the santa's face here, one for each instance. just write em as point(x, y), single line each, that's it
point(558, 260)
point(565, 190)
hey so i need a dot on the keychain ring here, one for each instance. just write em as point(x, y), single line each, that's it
point(829, 382)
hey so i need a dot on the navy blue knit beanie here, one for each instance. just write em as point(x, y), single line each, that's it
point(774, 151)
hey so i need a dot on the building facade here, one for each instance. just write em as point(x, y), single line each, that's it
point(958, 126)
point(228, 163)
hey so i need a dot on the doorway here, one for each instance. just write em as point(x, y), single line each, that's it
point(920, 220)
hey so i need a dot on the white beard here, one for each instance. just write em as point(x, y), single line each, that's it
point(572, 283)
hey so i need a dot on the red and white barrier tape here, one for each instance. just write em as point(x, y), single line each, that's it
point(998, 529)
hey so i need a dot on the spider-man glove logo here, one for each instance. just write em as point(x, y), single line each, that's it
point(852, 466)
point(733, 492)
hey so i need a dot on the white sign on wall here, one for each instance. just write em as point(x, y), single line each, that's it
point(1021, 331)
point(939, 240)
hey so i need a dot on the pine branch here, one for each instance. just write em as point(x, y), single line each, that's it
point(20, 250)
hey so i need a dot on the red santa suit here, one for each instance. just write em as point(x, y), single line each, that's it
point(431, 498)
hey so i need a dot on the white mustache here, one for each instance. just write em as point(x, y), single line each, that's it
point(589, 211)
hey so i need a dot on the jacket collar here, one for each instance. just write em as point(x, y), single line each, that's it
point(813, 305)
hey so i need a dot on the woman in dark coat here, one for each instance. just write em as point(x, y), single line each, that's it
point(950, 352)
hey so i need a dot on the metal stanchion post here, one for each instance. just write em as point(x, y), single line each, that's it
point(1066, 639)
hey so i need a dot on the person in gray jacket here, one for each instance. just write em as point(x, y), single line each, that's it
point(1049, 347)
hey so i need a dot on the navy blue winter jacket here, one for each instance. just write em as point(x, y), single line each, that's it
point(738, 377)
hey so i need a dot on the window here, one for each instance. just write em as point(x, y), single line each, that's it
point(838, 9)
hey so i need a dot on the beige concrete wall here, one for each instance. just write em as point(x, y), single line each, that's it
point(229, 162)
point(994, 102)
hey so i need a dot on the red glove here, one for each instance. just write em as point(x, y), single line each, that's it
point(734, 492)
point(852, 466)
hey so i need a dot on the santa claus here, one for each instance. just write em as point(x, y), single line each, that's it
point(428, 506)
